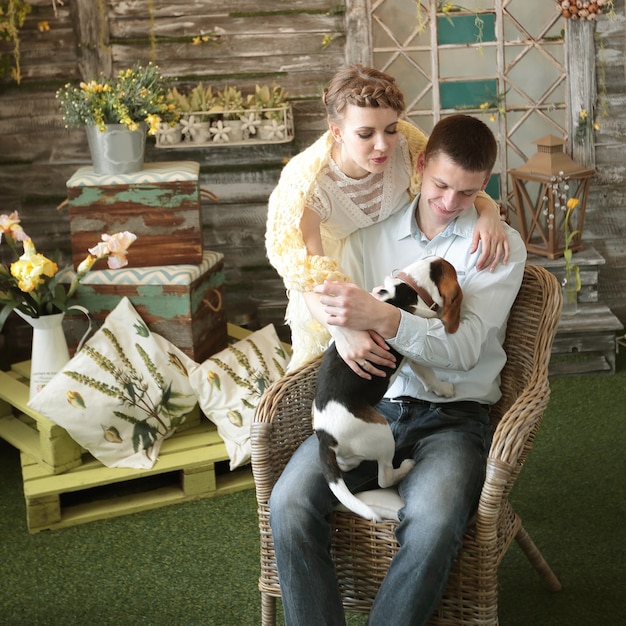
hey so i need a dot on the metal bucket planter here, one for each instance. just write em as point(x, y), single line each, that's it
point(117, 150)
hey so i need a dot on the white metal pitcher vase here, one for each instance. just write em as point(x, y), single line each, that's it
point(49, 351)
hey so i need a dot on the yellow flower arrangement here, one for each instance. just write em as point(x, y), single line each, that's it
point(572, 271)
point(137, 94)
point(33, 283)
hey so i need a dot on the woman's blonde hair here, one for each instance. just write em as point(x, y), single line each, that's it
point(363, 87)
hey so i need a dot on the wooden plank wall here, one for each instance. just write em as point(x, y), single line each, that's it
point(605, 219)
point(260, 42)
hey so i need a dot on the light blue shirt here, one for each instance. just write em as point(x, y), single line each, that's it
point(471, 358)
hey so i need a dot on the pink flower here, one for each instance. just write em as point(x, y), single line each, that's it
point(10, 225)
point(115, 248)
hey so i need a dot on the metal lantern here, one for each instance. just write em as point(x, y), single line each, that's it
point(552, 178)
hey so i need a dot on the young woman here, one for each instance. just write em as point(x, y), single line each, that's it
point(358, 173)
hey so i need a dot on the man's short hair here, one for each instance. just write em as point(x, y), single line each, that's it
point(464, 139)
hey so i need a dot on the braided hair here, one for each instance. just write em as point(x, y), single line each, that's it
point(363, 87)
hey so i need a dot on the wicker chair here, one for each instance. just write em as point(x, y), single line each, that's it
point(362, 550)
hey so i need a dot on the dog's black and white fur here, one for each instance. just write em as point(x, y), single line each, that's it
point(348, 427)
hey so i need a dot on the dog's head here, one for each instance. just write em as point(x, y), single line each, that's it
point(429, 288)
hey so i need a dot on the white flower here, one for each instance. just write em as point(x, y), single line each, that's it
point(220, 132)
point(249, 124)
point(275, 130)
point(191, 126)
point(168, 134)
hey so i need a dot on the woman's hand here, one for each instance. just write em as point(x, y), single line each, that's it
point(491, 233)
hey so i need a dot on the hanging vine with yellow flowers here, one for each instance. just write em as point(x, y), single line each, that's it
point(12, 17)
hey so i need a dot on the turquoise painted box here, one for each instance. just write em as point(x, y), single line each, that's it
point(183, 303)
point(160, 204)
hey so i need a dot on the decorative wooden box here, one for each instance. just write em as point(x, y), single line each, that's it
point(160, 204)
point(183, 303)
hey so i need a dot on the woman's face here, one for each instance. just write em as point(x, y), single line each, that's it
point(366, 140)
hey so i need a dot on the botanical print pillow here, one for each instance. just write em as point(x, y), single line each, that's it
point(123, 393)
point(229, 385)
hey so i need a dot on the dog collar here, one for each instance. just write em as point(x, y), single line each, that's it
point(420, 291)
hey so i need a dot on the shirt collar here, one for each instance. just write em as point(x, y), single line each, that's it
point(462, 226)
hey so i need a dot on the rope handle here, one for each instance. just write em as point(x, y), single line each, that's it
point(206, 193)
point(217, 296)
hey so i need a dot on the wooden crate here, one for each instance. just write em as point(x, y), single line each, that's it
point(160, 204)
point(188, 469)
point(183, 303)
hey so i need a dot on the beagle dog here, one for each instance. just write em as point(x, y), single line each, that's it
point(348, 427)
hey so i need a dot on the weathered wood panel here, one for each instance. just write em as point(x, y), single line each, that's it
point(605, 221)
point(263, 42)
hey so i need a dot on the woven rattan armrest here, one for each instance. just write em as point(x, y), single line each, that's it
point(282, 422)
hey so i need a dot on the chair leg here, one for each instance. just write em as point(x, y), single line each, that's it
point(536, 560)
point(268, 610)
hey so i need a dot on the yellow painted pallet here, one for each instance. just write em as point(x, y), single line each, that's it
point(192, 465)
point(29, 431)
point(65, 486)
point(40, 438)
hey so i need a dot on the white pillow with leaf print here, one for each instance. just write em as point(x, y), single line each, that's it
point(230, 383)
point(123, 393)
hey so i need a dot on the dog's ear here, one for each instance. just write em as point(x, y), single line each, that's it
point(452, 295)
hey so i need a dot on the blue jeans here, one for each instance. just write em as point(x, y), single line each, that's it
point(450, 444)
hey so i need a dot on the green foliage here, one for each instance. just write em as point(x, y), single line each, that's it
point(202, 98)
point(135, 95)
point(12, 16)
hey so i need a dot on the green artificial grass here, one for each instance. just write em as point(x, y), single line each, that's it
point(197, 563)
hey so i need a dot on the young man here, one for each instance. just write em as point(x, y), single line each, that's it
point(449, 440)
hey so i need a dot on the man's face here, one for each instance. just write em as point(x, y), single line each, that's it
point(447, 190)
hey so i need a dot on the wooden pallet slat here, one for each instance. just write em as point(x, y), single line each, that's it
point(190, 459)
point(55, 449)
point(64, 485)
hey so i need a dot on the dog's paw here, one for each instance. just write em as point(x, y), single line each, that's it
point(444, 389)
point(405, 467)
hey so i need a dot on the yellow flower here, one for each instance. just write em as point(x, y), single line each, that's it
point(447, 8)
point(43, 26)
point(583, 114)
point(484, 105)
point(31, 267)
point(86, 264)
point(572, 203)
point(153, 122)
point(33, 283)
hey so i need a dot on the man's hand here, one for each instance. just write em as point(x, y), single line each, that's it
point(362, 351)
point(348, 309)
